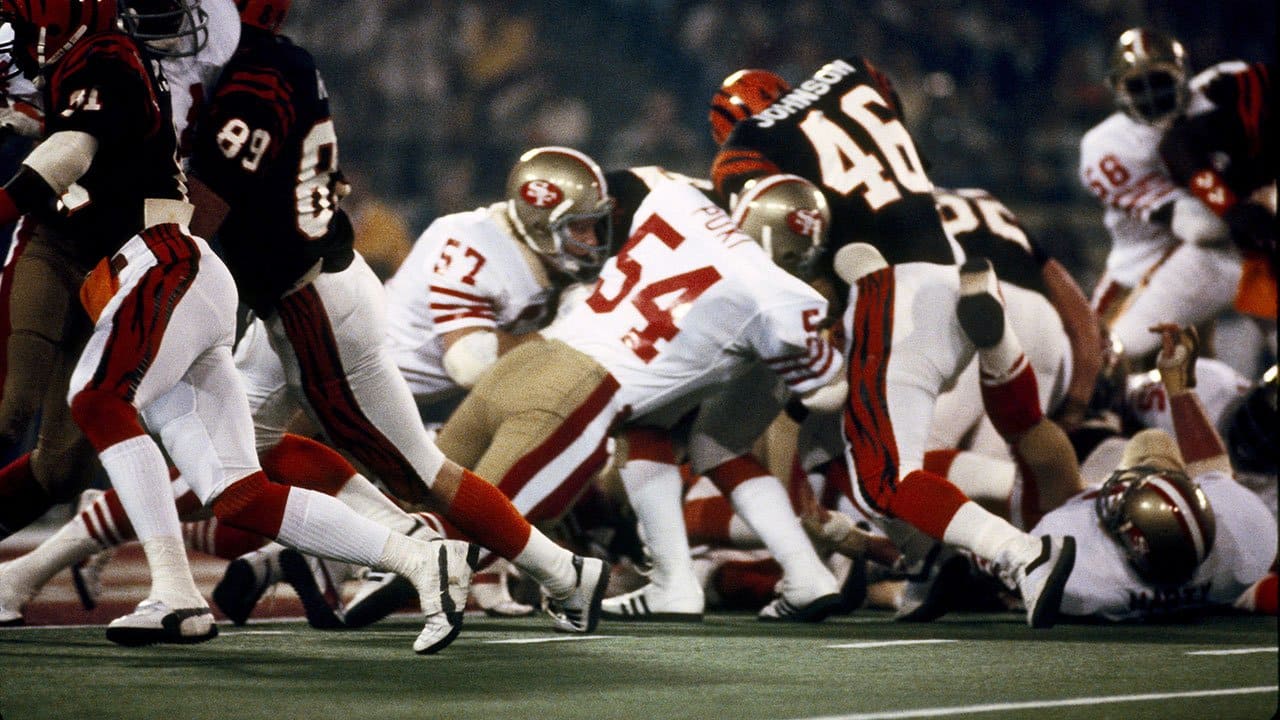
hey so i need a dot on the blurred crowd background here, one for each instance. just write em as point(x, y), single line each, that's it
point(434, 99)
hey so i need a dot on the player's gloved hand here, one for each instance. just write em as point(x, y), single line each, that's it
point(20, 118)
point(1253, 227)
point(1179, 348)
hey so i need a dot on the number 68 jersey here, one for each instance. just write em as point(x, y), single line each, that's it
point(841, 130)
point(689, 303)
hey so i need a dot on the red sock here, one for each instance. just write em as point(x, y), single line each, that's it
point(484, 514)
point(305, 463)
point(927, 501)
point(22, 499)
point(442, 525)
point(707, 520)
point(219, 539)
point(1013, 405)
point(939, 462)
point(746, 585)
point(731, 474)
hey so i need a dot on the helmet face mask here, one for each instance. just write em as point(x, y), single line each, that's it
point(552, 192)
point(790, 219)
point(1250, 435)
point(1161, 519)
point(170, 28)
point(1149, 76)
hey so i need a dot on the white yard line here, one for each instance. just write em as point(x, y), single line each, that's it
point(888, 643)
point(1038, 704)
point(567, 638)
point(1237, 651)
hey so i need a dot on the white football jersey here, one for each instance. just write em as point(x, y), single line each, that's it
point(1221, 390)
point(689, 303)
point(467, 270)
point(1120, 164)
point(1104, 585)
point(192, 79)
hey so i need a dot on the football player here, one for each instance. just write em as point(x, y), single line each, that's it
point(163, 322)
point(687, 303)
point(319, 308)
point(788, 217)
point(841, 129)
point(44, 326)
point(1161, 233)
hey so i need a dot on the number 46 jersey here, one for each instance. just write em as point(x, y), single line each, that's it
point(689, 303)
point(841, 130)
point(267, 147)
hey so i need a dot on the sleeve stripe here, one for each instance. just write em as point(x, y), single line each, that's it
point(459, 294)
point(479, 314)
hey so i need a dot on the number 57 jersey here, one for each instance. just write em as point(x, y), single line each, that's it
point(690, 302)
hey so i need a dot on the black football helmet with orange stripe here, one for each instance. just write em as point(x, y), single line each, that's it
point(1162, 520)
point(44, 30)
point(741, 95)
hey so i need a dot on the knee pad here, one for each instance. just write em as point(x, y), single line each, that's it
point(105, 418)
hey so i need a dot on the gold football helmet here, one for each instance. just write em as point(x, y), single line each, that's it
point(550, 188)
point(1161, 519)
point(1148, 74)
point(789, 217)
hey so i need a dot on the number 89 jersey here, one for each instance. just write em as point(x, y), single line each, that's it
point(838, 130)
point(267, 147)
point(689, 303)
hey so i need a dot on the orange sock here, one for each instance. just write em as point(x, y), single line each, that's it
point(707, 520)
point(484, 514)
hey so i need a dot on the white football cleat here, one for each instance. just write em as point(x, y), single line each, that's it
point(86, 575)
point(491, 593)
point(657, 603)
point(154, 622)
point(442, 587)
point(580, 611)
point(245, 580)
point(1039, 571)
point(808, 604)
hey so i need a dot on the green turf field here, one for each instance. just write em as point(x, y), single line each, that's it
point(731, 666)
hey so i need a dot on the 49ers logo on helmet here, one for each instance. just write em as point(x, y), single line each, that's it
point(541, 193)
point(805, 221)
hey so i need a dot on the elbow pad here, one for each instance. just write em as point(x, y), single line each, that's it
point(1194, 222)
point(467, 358)
point(63, 158)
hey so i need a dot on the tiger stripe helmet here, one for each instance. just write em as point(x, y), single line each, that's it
point(741, 95)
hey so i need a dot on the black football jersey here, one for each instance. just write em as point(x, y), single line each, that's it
point(267, 147)
point(1237, 138)
point(839, 130)
point(107, 87)
point(984, 227)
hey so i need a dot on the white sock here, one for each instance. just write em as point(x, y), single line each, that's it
point(742, 536)
point(318, 524)
point(171, 580)
point(981, 477)
point(655, 489)
point(763, 504)
point(365, 498)
point(141, 479)
point(981, 532)
point(550, 565)
point(1003, 360)
point(26, 574)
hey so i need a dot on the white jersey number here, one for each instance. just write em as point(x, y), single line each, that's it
point(846, 167)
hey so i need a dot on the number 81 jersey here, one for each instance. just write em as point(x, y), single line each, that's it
point(267, 147)
point(840, 129)
point(689, 303)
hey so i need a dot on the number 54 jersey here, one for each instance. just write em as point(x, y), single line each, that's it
point(690, 302)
